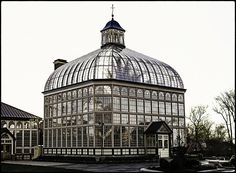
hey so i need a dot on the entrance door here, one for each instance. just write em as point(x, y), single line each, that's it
point(6, 146)
point(6, 151)
point(163, 145)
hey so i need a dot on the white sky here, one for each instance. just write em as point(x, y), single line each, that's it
point(196, 38)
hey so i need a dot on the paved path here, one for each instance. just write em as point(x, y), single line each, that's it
point(111, 167)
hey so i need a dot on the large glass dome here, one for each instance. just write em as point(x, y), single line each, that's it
point(113, 62)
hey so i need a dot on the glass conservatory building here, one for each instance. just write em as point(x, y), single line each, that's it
point(102, 103)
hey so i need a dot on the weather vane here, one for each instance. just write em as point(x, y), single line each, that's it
point(112, 7)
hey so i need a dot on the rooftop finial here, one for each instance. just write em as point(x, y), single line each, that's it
point(112, 8)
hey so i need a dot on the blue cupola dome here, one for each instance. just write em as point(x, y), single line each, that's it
point(113, 25)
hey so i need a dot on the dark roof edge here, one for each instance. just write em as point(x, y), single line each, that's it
point(34, 116)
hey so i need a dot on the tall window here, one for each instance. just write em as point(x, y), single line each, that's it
point(132, 119)
point(116, 118)
point(117, 136)
point(124, 104)
point(26, 138)
point(79, 136)
point(174, 109)
point(116, 104)
point(140, 119)
point(139, 105)
point(168, 108)
point(132, 105)
point(63, 137)
point(124, 118)
point(140, 136)
point(74, 133)
point(19, 138)
point(161, 108)
point(125, 136)
point(68, 108)
point(147, 106)
point(108, 136)
point(133, 138)
point(154, 107)
point(181, 109)
point(54, 138)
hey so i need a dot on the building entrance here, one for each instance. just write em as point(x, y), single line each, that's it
point(162, 134)
point(7, 144)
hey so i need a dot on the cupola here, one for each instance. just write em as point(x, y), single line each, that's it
point(113, 33)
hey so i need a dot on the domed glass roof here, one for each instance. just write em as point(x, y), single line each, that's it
point(114, 62)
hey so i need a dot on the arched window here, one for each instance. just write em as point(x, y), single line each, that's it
point(91, 91)
point(168, 96)
point(147, 94)
point(11, 124)
point(85, 92)
point(139, 93)
point(107, 89)
point(64, 96)
point(26, 125)
point(180, 98)
point(154, 95)
point(99, 90)
point(124, 91)
point(161, 96)
point(3, 124)
point(69, 95)
point(132, 92)
point(174, 97)
point(74, 94)
point(19, 125)
point(116, 90)
point(34, 125)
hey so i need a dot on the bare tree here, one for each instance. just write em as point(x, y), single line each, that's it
point(220, 132)
point(225, 106)
point(200, 127)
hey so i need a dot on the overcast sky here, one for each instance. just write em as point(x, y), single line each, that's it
point(196, 38)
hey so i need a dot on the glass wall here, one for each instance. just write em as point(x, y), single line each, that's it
point(108, 119)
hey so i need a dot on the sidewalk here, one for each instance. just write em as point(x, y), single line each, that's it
point(108, 167)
